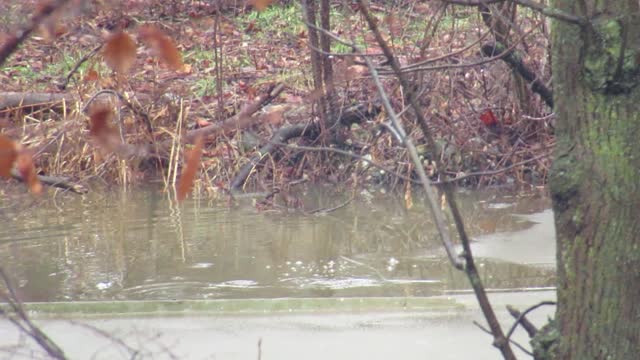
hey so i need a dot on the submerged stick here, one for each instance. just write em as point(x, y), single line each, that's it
point(58, 182)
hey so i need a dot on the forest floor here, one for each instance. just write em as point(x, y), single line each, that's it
point(490, 128)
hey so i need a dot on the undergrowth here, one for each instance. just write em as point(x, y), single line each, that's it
point(260, 49)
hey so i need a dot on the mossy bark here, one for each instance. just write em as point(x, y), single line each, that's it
point(595, 180)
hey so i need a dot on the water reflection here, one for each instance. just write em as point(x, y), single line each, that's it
point(142, 245)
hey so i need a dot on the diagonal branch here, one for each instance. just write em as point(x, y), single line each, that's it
point(515, 63)
point(500, 341)
point(533, 5)
point(18, 37)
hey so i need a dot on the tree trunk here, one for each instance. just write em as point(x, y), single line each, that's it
point(595, 180)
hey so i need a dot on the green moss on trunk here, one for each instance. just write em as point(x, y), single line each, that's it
point(595, 180)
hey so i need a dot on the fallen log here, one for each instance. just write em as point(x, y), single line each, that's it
point(349, 116)
point(9, 100)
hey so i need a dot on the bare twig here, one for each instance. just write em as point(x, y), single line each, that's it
point(14, 40)
point(515, 62)
point(413, 68)
point(87, 56)
point(325, 211)
point(491, 172)
point(55, 181)
point(521, 316)
point(469, 265)
point(522, 348)
point(545, 10)
point(22, 321)
point(348, 153)
point(431, 198)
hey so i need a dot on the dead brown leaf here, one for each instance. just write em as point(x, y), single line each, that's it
point(119, 52)
point(260, 4)
point(91, 75)
point(8, 155)
point(185, 184)
point(163, 45)
point(100, 129)
point(27, 170)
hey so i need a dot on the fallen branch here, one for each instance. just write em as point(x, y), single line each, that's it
point(349, 116)
point(241, 119)
point(58, 182)
point(10, 100)
point(281, 136)
point(16, 38)
point(490, 172)
point(515, 62)
point(324, 211)
point(350, 154)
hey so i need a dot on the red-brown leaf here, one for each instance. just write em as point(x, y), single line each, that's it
point(163, 45)
point(8, 155)
point(99, 121)
point(185, 184)
point(488, 118)
point(27, 171)
point(100, 129)
point(119, 52)
point(260, 4)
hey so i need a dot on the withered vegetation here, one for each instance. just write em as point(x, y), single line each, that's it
point(117, 91)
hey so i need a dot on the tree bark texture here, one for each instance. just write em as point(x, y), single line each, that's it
point(595, 180)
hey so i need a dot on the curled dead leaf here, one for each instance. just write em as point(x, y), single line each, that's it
point(192, 158)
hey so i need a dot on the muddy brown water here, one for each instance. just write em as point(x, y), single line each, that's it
point(133, 274)
point(142, 245)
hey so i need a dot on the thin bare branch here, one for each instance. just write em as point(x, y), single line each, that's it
point(516, 344)
point(524, 313)
point(470, 268)
point(545, 10)
point(18, 37)
point(491, 172)
point(24, 323)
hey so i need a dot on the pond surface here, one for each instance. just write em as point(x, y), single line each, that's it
point(142, 245)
